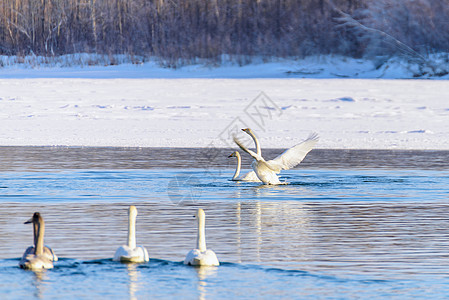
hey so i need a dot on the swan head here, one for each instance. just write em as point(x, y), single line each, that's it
point(132, 211)
point(247, 130)
point(36, 218)
point(234, 154)
point(200, 214)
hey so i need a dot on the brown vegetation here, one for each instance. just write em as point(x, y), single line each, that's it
point(180, 31)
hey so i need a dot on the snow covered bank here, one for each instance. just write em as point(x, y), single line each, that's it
point(97, 66)
point(347, 113)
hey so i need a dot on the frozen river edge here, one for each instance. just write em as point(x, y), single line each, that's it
point(346, 113)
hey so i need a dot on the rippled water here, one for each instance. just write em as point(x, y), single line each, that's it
point(350, 224)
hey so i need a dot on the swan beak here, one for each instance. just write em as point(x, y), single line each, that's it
point(29, 221)
point(231, 155)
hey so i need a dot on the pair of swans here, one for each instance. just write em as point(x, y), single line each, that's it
point(130, 253)
point(266, 171)
point(38, 257)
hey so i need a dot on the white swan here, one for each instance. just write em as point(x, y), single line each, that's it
point(256, 141)
point(39, 256)
point(250, 176)
point(267, 171)
point(38, 222)
point(131, 253)
point(201, 256)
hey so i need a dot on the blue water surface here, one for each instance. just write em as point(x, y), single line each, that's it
point(333, 232)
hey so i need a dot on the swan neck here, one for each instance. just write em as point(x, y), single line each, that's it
point(39, 241)
point(201, 240)
point(237, 170)
point(35, 233)
point(132, 231)
point(256, 142)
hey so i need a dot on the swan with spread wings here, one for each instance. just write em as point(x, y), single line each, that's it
point(267, 170)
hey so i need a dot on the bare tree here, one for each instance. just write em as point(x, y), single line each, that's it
point(185, 31)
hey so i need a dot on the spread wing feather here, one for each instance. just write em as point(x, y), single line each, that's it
point(293, 156)
point(252, 153)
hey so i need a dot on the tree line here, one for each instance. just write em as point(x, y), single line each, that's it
point(182, 31)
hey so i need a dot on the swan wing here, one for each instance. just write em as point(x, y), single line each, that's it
point(210, 258)
point(192, 257)
point(252, 153)
point(122, 251)
point(143, 252)
point(50, 254)
point(29, 250)
point(293, 156)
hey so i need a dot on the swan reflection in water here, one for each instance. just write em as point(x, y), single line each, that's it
point(204, 272)
point(133, 283)
point(261, 226)
point(40, 282)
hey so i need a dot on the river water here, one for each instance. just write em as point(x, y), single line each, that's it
point(350, 224)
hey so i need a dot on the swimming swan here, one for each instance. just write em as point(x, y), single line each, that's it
point(250, 176)
point(201, 256)
point(267, 171)
point(130, 253)
point(39, 256)
point(48, 252)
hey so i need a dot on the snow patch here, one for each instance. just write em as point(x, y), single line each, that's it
point(97, 66)
point(192, 112)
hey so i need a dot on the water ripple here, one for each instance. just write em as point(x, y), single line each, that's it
point(352, 232)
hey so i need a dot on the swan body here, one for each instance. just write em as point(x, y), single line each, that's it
point(197, 258)
point(267, 171)
point(250, 176)
point(131, 253)
point(35, 262)
point(201, 256)
point(127, 254)
point(48, 253)
point(39, 256)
